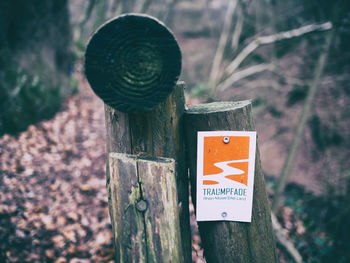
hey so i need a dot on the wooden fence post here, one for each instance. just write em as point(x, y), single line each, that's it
point(231, 241)
point(144, 209)
point(158, 133)
point(132, 63)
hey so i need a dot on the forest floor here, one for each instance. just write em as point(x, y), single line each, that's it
point(53, 201)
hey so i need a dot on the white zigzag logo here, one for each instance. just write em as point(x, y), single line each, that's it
point(226, 170)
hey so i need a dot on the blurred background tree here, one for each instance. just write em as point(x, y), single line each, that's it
point(35, 61)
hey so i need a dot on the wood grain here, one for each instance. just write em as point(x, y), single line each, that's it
point(144, 206)
point(158, 133)
point(133, 62)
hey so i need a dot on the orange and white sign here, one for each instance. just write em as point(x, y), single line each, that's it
point(225, 175)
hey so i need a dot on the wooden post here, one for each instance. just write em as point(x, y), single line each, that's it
point(157, 133)
point(144, 208)
point(231, 241)
point(132, 63)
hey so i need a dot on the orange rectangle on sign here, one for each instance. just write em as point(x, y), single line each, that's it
point(225, 175)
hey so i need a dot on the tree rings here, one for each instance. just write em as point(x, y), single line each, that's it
point(133, 62)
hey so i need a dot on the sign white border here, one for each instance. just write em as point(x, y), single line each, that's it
point(225, 210)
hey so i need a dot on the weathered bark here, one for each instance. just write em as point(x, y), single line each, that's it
point(144, 209)
point(157, 133)
point(231, 241)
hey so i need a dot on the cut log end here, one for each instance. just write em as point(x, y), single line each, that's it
point(133, 62)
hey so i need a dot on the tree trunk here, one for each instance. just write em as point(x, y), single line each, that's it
point(231, 241)
point(300, 128)
point(156, 133)
point(35, 60)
